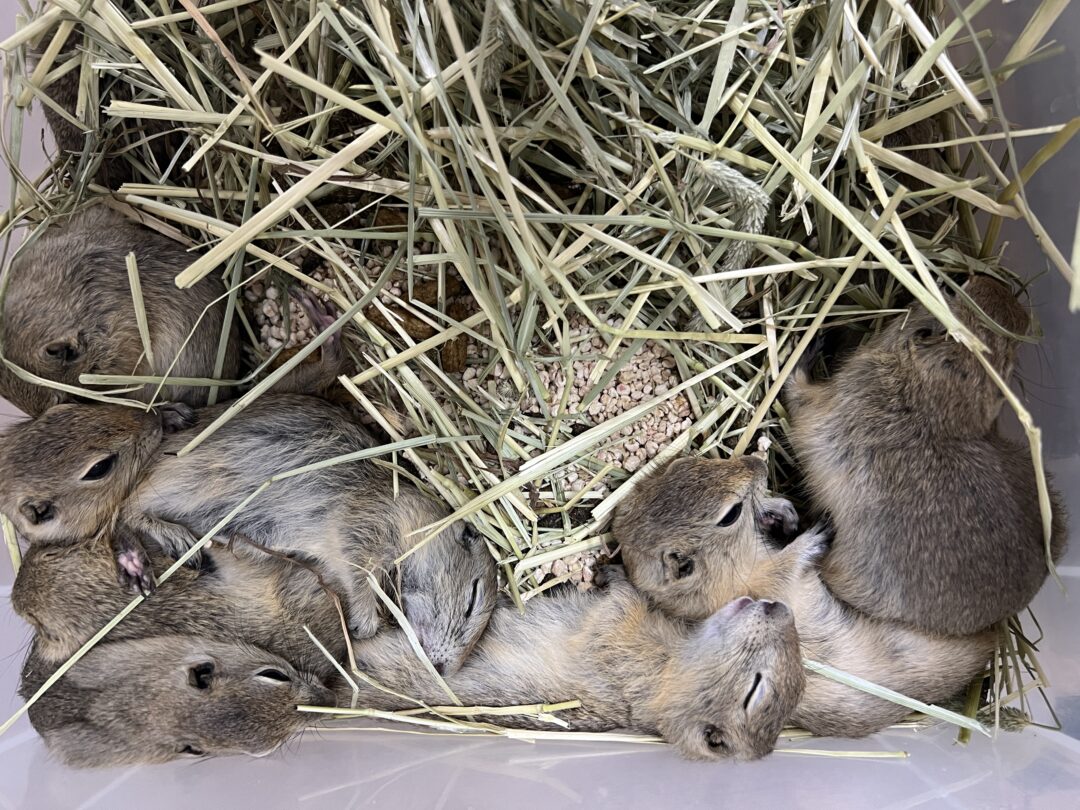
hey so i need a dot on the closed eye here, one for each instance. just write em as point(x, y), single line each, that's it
point(731, 515)
point(192, 751)
point(928, 334)
point(753, 693)
point(273, 675)
point(100, 469)
point(472, 600)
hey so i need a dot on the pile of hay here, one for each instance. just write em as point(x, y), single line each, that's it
point(579, 237)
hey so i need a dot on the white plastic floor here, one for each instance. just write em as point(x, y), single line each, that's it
point(1030, 769)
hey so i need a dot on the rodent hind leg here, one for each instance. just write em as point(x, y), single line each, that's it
point(173, 539)
point(313, 377)
point(363, 607)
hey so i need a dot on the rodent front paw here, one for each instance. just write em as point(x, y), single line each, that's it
point(605, 576)
point(363, 623)
point(777, 518)
point(176, 416)
point(813, 544)
point(134, 572)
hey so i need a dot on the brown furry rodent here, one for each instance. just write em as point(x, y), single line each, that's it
point(67, 595)
point(68, 311)
point(103, 145)
point(722, 690)
point(203, 698)
point(346, 518)
point(670, 516)
point(66, 472)
point(937, 516)
point(722, 559)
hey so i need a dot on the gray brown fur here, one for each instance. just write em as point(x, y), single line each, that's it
point(347, 518)
point(67, 595)
point(631, 667)
point(937, 516)
point(671, 543)
point(743, 559)
point(49, 491)
point(202, 698)
point(68, 311)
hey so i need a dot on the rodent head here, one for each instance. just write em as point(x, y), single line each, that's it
point(67, 593)
point(67, 471)
point(692, 534)
point(48, 340)
point(89, 328)
point(448, 591)
point(169, 697)
point(936, 365)
point(734, 683)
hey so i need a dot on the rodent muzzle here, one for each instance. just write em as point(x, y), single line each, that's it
point(38, 512)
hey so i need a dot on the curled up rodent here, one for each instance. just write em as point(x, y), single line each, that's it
point(726, 544)
point(936, 513)
point(68, 310)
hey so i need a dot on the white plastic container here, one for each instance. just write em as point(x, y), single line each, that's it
point(1034, 768)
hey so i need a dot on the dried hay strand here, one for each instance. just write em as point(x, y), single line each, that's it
point(567, 240)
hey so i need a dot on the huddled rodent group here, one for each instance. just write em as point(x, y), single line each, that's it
point(227, 645)
point(116, 473)
point(721, 690)
point(934, 537)
point(701, 641)
point(724, 546)
point(934, 531)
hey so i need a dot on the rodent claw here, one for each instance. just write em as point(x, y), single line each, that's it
point(134, 571)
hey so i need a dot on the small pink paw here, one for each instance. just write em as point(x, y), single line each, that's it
point(135, 573)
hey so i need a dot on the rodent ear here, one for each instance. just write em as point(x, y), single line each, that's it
point(176, 416)
point(715, 741)
point(468, 537)
point(37, 511)
point(681, 465)
point(929, 333)
point(201, 675)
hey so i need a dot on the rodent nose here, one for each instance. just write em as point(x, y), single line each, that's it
point(63, 350)
point(440, 667)
point(38, 511)
point(770, 608)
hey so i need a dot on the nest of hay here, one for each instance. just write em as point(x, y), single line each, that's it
point(572, 239)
